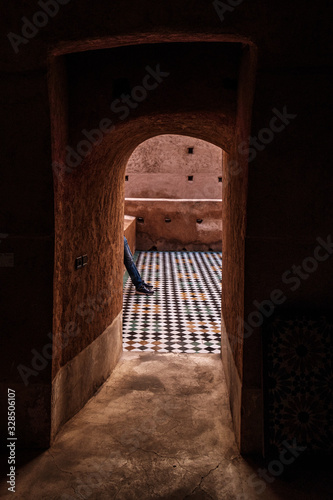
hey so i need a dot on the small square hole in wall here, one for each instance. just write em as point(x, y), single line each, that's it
point(190, 178)
point(126, 178)
point(190, 151)
point(220, 179)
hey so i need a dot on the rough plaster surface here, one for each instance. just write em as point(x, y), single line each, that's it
point(160, 166)
point(194, 224)
point(233, 381)
point(159, 428)
point(77, 381)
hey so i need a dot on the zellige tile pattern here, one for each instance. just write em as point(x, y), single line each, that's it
point(184, 313)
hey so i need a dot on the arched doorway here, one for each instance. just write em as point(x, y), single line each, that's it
point(89, 193)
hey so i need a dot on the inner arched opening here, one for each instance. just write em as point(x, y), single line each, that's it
point(173, 219)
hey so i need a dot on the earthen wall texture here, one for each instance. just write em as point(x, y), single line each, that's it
point(176, 225)
point(163, 167)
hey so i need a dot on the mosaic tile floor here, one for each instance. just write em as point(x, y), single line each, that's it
point(184, 313)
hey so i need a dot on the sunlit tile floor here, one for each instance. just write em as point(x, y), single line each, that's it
point(184, 313)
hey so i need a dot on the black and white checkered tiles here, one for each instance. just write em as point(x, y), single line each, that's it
point(184, 314)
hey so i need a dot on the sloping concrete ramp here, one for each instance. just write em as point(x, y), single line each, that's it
point(159, 428)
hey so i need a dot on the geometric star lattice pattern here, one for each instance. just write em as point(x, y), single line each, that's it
point(184, 314)
point(299, 382)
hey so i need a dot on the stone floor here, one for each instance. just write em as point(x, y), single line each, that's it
point(159, 428)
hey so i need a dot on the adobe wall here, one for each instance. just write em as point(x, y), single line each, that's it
point(171, 167)
point(162, 167)
point(175, 225)
point(27, 239)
